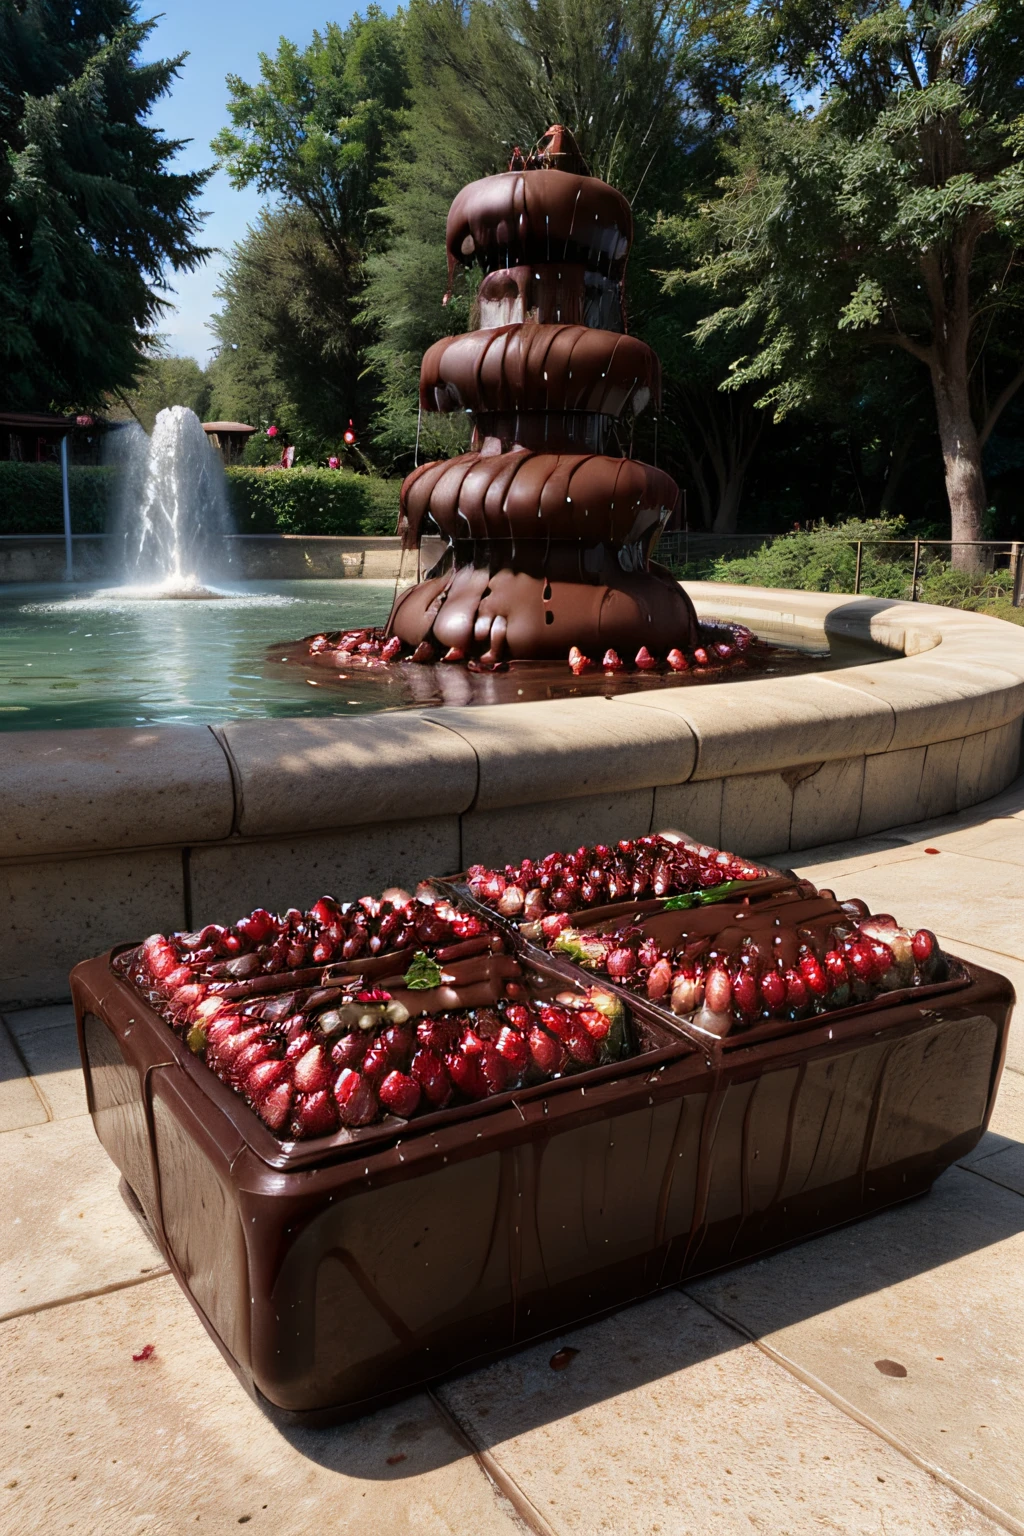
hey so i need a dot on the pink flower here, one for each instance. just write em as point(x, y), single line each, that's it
point(271, 431)
point(332, 463)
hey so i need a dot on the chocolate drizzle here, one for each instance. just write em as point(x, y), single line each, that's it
point(550, 531)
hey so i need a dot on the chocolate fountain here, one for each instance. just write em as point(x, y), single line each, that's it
point(550, 526)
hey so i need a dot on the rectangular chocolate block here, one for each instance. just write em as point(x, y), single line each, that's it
point(338, 1279)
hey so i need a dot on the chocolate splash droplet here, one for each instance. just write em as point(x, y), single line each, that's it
point(933, 850)
point(890, 1368)
point(394, 1460)
point(564, 1357)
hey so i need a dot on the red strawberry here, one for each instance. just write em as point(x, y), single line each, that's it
point(594, 1022)
point(700, 656)
point(552, 925)
point(677, 661)
point(465, 1073)
point(315, 1114)
point(546, 1052)
point(796, 990)
point(390, 649)
point(264, 1076)
point(181, 976)
point(357, 1102)
point(612, 662)
point(440, 1033)
point(397, 1040)
point(860, 958)
point(744, 992)
point(260, 1050)
point(835, 969)
point(230, 1047)
point(312, 1070)
point(773, 990)
point(223, 1027)
point(578, 662)
point(275, 1106)
point(494, 1069)
point(581, 1045)
point(924, 945)
point(400, 1094)
point(518, 1015)
point(429, 1071)
point(621, 964)
point(644, 660)
point(162, 961)
point(350, 1049)
point(555, 1019)
point(659, 979)
point(375, 1063)
point(813, 975)
point(299, 1043)
point(512, 1045)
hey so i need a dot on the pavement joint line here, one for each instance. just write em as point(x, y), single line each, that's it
point(505, 1485)
point(978, 1501)
point(989, 1179)
point(102, 1290)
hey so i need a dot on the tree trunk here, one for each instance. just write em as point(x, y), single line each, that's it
point(729, 491)
point(961, 456)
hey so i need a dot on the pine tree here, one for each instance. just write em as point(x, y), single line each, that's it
point(91, 214)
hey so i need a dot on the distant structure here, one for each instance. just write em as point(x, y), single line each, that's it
point(229, 438)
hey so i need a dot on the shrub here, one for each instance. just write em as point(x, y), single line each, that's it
point(30, 498)
point(262, 501)
point(328, 501)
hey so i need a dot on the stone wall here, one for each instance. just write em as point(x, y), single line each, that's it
point(112, 834)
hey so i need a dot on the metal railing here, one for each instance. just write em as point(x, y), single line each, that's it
point(686, 548)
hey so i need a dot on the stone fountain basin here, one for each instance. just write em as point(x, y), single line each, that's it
point(111, 834)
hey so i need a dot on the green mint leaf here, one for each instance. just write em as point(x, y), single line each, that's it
point(423, 974)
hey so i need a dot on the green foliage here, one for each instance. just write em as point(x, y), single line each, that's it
point(325, 501)
point(315, 127)
point(91, 216)
point(888, 216)
point(164, 381)
point(314, 501)
point(31, 502)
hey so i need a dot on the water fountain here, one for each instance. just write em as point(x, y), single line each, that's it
point(173, 508)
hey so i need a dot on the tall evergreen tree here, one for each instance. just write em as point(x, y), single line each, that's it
point(91, 213)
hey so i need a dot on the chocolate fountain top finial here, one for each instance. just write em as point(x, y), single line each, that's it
point(556, 150)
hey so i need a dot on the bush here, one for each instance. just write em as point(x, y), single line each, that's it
point(30, 498)
point(326, 501)
point(262, 501)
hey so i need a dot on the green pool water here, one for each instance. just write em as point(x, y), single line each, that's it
point(88, 657)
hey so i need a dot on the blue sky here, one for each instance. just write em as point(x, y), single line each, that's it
point(222, 37)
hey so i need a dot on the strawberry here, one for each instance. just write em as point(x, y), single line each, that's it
point(659, 979)
point(264, 1076)
point(389, 651)
point(744, 993)
point(400, 1094)
point(612, 662)
point(677, 661)
point(923, 945)
point(494, 1069)
point(260, 1050)
point(439, 1033)
point(718, 990)
point(357, 1102)
point(350, 1049)
point(513, 1047)
point(312, 1070)
point(578, 662)
point(465, 1073)
point(621, 964)
point(375, 1063)
point(314, 1114)
point(397, 1041)
point(553, 925)
point(581, 1045)
point(276, 1105)
point(181, 976)
point(429, 1071)
point(812, 973)
point(644, 660)
point(302, 1041)
point(518, 1015)
point(700, 656)
point(773, 990)
point(594, 1022)
point(797, 995)
point(546, 1053)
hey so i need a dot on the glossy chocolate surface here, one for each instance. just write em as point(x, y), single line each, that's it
point(550, 529)
point(357, 1273)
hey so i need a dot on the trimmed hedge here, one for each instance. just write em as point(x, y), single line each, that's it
point(30, 499)
point(326, 501)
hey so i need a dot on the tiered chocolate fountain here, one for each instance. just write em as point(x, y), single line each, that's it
point(550, 533)
point(548, 525)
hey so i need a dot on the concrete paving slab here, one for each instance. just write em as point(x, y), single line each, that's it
point(668, 1421)
point(99, 1443)
point(64, 1229)
point(911, 1320)
point(20, 1104)
point(23, 1022)
point(999, 1155)
point(53, 1059)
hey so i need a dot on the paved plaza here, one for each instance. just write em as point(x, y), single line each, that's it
point(868, 1383)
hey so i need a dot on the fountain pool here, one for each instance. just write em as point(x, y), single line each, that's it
point(112, 657)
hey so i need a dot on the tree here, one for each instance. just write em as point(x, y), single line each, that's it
point(91, 215)
point(889, 215)
point(633, 79)
point(163, 381)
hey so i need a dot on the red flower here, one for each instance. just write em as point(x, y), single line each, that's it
point(271, 431)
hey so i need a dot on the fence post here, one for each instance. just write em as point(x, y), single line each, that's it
point(856, 579)
point(917, 562)
point(1017, 567)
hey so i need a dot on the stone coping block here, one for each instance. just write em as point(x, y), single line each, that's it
point(562, 749)
point(301, 775)
point(76, 791)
